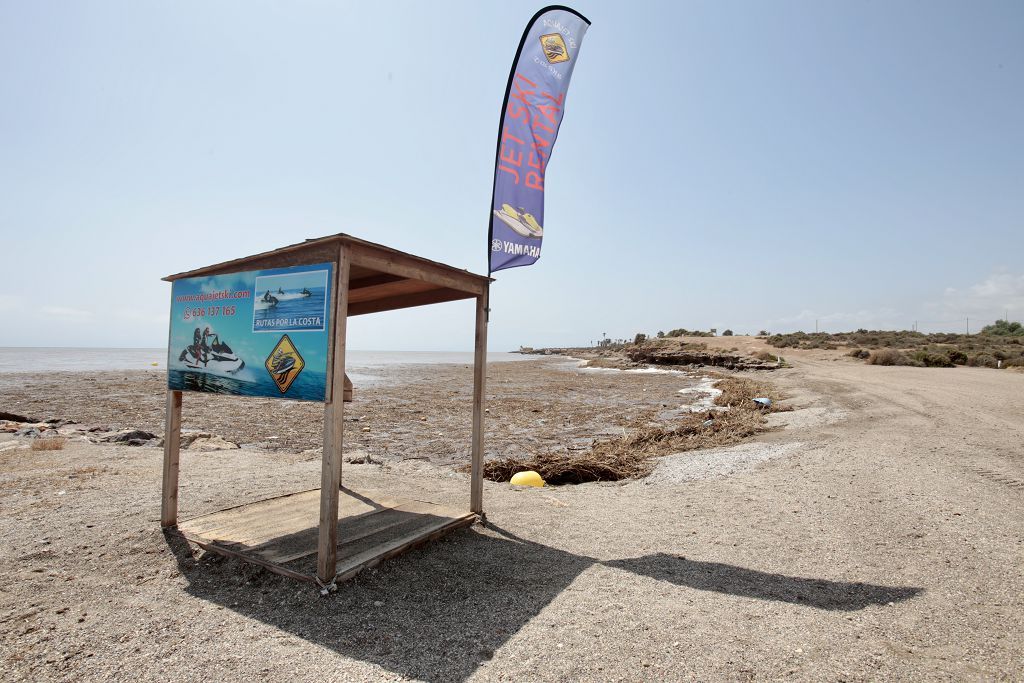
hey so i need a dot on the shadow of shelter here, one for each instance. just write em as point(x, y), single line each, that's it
point(446, 607)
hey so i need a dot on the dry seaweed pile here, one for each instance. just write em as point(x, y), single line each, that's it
point(632, 455)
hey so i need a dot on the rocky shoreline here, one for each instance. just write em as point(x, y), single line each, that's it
point(662, 352)
point(64, 430)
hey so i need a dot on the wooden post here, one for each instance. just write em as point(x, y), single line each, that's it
point(330, 473)
point(172, 444)
point(476, 491)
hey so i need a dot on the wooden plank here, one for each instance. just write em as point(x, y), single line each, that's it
point(330, 473)
point(476, 487)
point(304, 253)
point(351, 566)
point(333, 284)
point(434, 296)
point(347, 392)
point(221, 550)
point(370, 280)
point(370, 528)
point(384, 527)
point(172, 448)
point(258, 525)
point(212, 519)
point(394, 262)
point(389, 290)
point(322, 250)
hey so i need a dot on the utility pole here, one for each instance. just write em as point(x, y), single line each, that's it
point(968, 326)
point(815, 326)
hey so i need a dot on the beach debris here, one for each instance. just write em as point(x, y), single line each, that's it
point(528, 478)
point(361, 457)
point(762, 402)
point(212, 443)
point(708, 422)
point(54, 443)
point(366, 429)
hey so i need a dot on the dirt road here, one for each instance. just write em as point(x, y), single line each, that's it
point(880, 535)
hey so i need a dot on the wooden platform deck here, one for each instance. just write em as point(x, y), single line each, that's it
point(281, 533)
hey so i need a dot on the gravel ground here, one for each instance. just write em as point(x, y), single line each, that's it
point(883, 539)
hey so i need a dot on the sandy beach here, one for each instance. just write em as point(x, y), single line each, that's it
point(877, 534)
point(421, 411)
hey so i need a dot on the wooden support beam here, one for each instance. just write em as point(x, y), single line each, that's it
point(434, 296)
point(172, 446)
point(391, 290)
point(415, 269)
point(330, 473)
point(476, 491)
point(373, 281)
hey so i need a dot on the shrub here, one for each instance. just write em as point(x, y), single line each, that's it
point(932, 360)
point(727, 333)
point(982, 360)
point(956, 356)
point(762, 333)
point(53, 443)
point(640, 338)
point(859, 353)
point(885, 357)
point(1004, 328)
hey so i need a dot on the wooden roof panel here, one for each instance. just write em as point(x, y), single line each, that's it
point(380, 278)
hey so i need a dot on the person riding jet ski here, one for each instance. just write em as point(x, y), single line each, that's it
point(197, 345)
point(208, 352)
point(208, 334)
point(306, 292)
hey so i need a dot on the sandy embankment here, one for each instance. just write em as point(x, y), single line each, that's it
point(881, 538)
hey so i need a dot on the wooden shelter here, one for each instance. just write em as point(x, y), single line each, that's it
point(355, 529)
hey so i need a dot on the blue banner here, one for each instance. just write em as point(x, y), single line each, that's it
point(258, 333)
point(530, 118)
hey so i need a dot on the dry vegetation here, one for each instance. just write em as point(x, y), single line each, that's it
point(990, 348)
point(53, 443)
point(632, 455)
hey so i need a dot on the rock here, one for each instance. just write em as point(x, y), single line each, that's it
point(14, 417)
point(188, 437)
point(212, 443)
point(30, 432)
point(136, 435)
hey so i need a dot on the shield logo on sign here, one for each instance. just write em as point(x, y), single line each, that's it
point(284, 363)
point(554, 48)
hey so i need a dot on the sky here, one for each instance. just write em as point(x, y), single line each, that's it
point(743, 165)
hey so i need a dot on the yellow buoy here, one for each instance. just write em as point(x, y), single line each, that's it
point(154, 364)
point(530, 478)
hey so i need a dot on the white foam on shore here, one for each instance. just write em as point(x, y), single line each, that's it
point(581, 364)
point(707, 393)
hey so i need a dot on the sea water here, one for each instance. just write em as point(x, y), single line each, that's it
point(363, 367)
